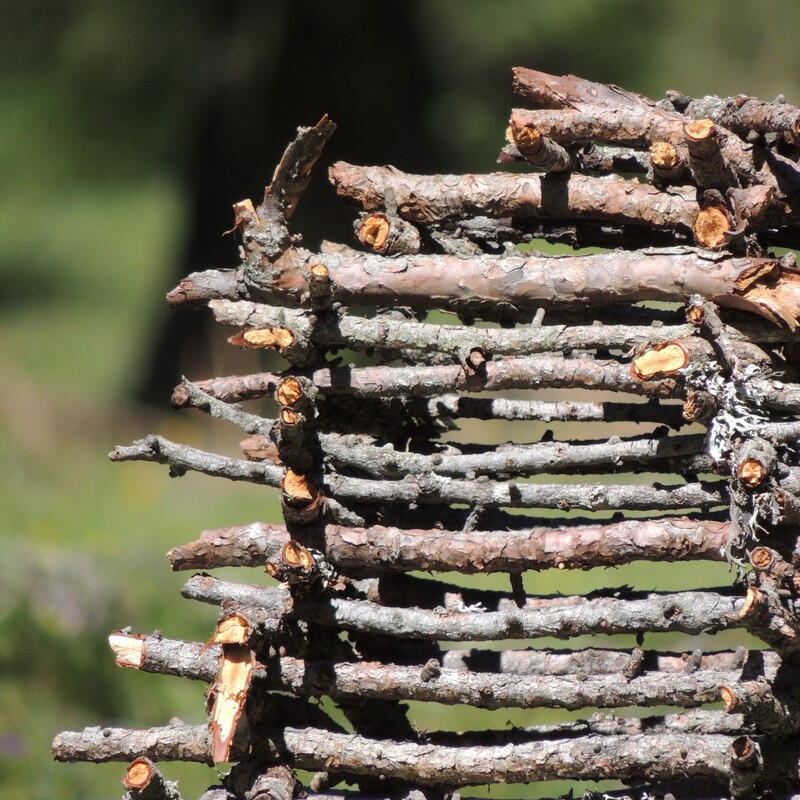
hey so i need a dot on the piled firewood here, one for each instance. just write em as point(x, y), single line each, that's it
point(687, 199)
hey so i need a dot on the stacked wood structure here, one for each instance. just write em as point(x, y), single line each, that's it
point(687, 202)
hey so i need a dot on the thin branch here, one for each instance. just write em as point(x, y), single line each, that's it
point(489, 690)
point(434, 489)
point(689, 612)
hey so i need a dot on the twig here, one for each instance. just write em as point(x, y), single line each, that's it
point(432, 488)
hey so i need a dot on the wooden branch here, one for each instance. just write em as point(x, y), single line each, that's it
point(502, 408)
point(373, 680)
point(514, 287)
point(689, 612)
point(195, 661)
point(499, 194)
point(540, 372)
point(741, 114)
point(359, 333)
point(365, 551)
point(424, 488)
point(630, 758)
point(293, 173)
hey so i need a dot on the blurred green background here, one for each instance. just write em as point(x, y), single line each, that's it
point(127, 130)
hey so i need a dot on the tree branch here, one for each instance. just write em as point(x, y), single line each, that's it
point(689, 612)
point(365, 551)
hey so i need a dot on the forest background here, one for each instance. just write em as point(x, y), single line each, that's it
point(127, 130)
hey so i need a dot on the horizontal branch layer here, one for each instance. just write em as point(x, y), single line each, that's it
point(435, 489)
point(371, 680)
point(374, 550)
point(196, 661)
point(627, 758)
point(689, 612)
point(514, 287)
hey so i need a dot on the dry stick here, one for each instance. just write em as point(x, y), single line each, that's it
point(540, 372)
point(628, 758)
point(305, 331)
point(689, 612)
point(765, 616)
point(196, 661)
point(740, 114)
point(591, 158)
point(374, 550)
point(431, 488)
point(706, 161)
point(539, 150)
point(515, 287)
point(500, 408)
point(489, 690)
point(641, 127)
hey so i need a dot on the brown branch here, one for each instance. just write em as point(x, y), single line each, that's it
point(373, 550)
point(741, 114)
point(487, 284)
point(689, 612)
point(195, 661)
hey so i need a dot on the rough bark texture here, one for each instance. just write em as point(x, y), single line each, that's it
point(376, 481)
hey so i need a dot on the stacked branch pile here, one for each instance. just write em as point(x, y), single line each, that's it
point(687, 201)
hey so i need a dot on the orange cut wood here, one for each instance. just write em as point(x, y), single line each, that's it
point(665, 359)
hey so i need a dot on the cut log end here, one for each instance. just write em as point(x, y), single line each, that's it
point(295, 556)
point(728, 697)
point(289, 392)
point(710, 227)
point(289, 417)
point(527, 138)
point(664, 156)
point(762, 558)
point(231, 629)
point(264, 338)
point(664, 359)
point(138, 774)
point(374, 231)
point(129, 650)
point(752, 473)
point(700, 130)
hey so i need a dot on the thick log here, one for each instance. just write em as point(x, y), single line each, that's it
point(364, 551)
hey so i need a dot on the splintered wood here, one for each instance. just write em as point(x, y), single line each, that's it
point(685, 202)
